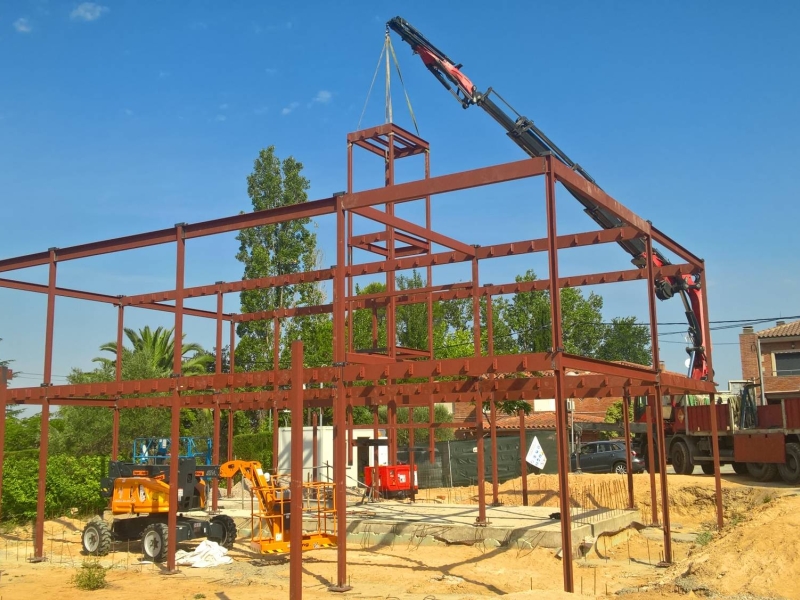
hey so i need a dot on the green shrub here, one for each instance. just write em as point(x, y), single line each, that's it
point(254, 446)
point(704, 538)
point(72, 482)
point(91, 576)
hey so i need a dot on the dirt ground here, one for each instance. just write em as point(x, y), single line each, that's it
point(755, 556)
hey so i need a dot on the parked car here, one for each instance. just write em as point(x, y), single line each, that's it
point(604, 457)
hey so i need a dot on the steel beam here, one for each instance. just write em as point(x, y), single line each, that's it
point(446, 183)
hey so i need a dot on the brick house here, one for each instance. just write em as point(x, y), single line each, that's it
point(771, 357)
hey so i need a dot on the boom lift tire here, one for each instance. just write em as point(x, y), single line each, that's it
point(96, 537)
point(790, 470)
point(740, 468)
point(762, 471)
point(229, 526)
point(708, 468)
point(154, 542)
point(681, 458)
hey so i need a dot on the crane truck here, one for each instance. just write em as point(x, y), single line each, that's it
point(764, 444)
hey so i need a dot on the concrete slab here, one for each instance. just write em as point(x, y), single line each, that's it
point(420, 523)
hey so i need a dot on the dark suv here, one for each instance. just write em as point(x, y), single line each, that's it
point(605, 457)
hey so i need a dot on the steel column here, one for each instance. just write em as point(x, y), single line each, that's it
point(177, 360)
point(714, 426)
point(276, 349)
point(296, 469)
point(231, 370)
point(522, 452)
point(117, 377)
point(626, 424)
point(216, 438)
point(314, 444)
point(493, 437)
point(339, 402)
point(481, 520)
point(38, 540)
point(230, 448)
point(654, 402)
point(662, 463)
point(5, 375)
point(651, 458)
point(560, 397)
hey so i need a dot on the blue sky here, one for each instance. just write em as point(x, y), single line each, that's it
point(121, 117)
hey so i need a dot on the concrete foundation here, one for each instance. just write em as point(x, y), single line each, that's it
point(388, 523)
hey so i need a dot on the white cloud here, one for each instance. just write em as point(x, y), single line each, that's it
point(290, 108)
point(88, 11)
point(220, 118)
point(129, 112)
point(163, 74)
point(322, 97)
point(223, 107)
point(22, 25)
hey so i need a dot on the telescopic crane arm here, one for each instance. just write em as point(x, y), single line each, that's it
point(535, 143)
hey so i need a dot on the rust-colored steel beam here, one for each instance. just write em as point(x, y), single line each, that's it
point(583, 187)
point(676, 248)
point(402, 138)
point(296, 470)
point(233, 286)
point(216, 439)
point(389, 219)
point(164, 236)
point(579, 386)
point(446, 183)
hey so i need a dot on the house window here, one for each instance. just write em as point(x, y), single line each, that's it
point(787, 364)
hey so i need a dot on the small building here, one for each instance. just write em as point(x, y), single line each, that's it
point(771, 358)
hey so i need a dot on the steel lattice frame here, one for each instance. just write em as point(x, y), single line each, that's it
point(379, 373)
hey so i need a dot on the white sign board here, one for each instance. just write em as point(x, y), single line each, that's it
point(536, 455)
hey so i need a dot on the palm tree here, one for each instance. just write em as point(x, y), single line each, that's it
point(152, 355)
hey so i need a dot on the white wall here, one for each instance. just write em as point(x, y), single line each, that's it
point(324, 454)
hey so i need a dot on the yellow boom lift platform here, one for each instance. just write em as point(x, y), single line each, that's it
point(272, 520)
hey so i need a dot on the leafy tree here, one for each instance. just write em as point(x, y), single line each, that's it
point(278, 249)
point(152, 355)
point(625, 339)
point(582, 321)
point(614, 415)
point(88, 430)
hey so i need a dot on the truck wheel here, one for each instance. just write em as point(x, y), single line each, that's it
point(708, 468)
point(229, 528)
point(762, 471)
point(681, 458)
point(790, 470)
point(96, 537)
point(154, 542)
point(740, 468)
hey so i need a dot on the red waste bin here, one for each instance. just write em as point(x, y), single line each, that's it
point(394, 481)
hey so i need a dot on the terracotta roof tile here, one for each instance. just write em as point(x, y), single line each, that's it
point(542, 420)
point(785, 330)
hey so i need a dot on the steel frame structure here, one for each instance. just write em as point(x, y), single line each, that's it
point(379, 372)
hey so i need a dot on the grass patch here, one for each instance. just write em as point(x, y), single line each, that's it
point(91, 576)
point(704, 537)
